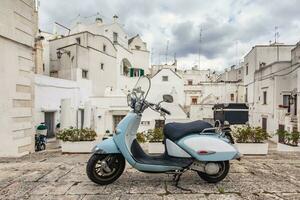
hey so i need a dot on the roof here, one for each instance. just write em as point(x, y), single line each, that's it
point(166, 69)
point(231, 106)
point(131, 39)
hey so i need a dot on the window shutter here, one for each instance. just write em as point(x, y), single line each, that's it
point(141, 72)
point(131, 72)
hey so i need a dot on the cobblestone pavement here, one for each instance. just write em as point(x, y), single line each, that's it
point(54, 175)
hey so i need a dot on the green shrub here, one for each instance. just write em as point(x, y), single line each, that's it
point(155, 135)
point(295, 136)
point(281, 135)
point(288, 138)
point(247, 134)
point(75, 134)
point(141, 138)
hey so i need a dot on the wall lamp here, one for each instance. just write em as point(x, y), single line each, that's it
point(60, 52)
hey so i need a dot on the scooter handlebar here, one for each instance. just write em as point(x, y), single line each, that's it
point(165, 111)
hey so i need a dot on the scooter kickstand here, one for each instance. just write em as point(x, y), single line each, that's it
point(176, 178)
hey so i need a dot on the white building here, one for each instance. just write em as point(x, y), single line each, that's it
point(211, 93)
point(273, 87)
point(17, 41)
point(234, 74)
point(262, 85)
point(101, 59)
point(102, 53)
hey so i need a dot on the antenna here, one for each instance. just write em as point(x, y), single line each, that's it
point(276, 34)
point(199, 50)
point(152, 55)
point(159, 55)
point(167, 52)
point(236, 53)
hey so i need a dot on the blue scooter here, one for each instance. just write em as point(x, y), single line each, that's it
point(196, 146)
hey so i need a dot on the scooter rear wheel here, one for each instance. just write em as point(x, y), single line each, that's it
point(222, 173)
point(104, 169)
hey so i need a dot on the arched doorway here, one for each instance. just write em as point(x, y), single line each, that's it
point(125, 67)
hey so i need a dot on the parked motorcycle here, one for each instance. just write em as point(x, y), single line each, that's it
point(196, 146)
point(40, 137)
point(40, 142)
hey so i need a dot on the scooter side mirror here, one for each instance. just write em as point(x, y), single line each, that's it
point(167, 98)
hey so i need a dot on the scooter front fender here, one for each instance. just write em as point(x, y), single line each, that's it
point(107, 146)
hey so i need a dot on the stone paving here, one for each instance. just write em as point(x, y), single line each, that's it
point(52, 175)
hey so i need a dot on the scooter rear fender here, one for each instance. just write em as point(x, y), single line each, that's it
point(107, 146)
point(208, 147)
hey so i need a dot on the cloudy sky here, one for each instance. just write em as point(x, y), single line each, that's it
point(229, 27)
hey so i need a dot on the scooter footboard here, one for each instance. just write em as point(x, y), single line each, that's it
point(208, 148)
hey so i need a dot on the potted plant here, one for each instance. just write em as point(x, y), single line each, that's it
point(251, 140)
point(288, 141)
point(75, 140)
point(155, 138)
point(142, 140)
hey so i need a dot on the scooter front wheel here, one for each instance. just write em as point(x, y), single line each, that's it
point(104, 169)
point(220, 175)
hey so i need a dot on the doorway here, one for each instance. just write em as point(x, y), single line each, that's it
point(159, 123)
point(49, 121)
point(116, 120)
point(264, 124)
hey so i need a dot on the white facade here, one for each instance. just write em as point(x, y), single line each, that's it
point(18, 21)
point(209, 94)
point(262, 86)
point(102, 53)
point(273, 104)
point(232, 75)
point(49, 94)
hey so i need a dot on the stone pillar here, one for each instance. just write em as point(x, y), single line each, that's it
point(66, 114)
point(87, 114)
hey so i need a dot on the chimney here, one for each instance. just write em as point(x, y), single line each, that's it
point(115, 18)
point(98, 20)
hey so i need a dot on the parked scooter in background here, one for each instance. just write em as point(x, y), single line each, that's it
point(41, 137)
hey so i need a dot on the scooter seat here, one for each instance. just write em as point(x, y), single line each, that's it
point(175, 131)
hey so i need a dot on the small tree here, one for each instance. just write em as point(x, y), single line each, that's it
point(141, 138)
point(155, 135)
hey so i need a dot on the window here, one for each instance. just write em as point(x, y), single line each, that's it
point(247, 69)
point(159, 123)
point(115, 37)
point(137, 47)
point(264, 123)
point(54, 74)
point(102, 66)
point(78, 40)
point(194, 100)
point(246, 95)
point(190, 82)
point(85, 74)
point(239, 71)
point(145, 123)
point(285, 100)
point(265, 97)
point(231, 97)
point(104, 48)
point(165, 78)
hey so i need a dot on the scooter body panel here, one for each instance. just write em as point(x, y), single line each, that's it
point(209, 147)
point(125, 134)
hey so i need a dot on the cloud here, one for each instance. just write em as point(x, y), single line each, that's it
point(230, 28)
